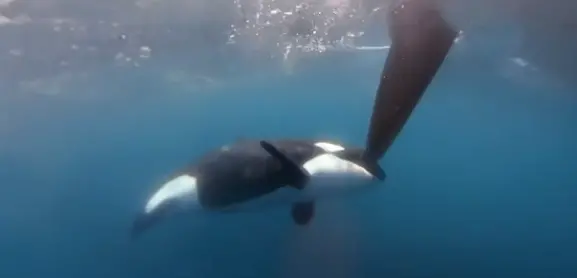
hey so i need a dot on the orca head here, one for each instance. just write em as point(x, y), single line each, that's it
point(356, 156)
point(338, 171)
point(174, 196)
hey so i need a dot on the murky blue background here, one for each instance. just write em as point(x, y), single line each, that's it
point(481, 183)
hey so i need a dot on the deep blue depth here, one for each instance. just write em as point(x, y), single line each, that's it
point(481, 183)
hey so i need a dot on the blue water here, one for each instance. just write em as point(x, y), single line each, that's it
point(481, 183)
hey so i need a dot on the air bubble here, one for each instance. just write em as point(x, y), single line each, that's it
point(145, 52)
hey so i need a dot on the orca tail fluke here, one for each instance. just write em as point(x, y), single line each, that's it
point(141, 224)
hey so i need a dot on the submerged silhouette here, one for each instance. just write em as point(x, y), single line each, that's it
point(259, 173)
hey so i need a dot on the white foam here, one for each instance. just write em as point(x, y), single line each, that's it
point(372, 48)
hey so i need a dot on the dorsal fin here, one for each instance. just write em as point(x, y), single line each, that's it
point(420, 40)
point(297, 176)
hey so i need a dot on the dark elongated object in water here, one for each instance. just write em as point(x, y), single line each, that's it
point(420, 41)
point(256, 174)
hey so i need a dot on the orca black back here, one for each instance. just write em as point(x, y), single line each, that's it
point(249, 169)
point(244, 170)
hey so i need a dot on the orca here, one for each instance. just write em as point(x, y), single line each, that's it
point(253, 174)
point(258, 174)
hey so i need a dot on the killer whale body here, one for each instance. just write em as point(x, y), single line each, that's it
point(261, 173)
point(421, 39)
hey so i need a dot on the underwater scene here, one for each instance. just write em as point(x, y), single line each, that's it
point(103, 102)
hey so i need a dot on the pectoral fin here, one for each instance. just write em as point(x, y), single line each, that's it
point(295, 174)
point(303, 212)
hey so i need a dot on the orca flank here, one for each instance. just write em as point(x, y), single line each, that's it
point(257, 174)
